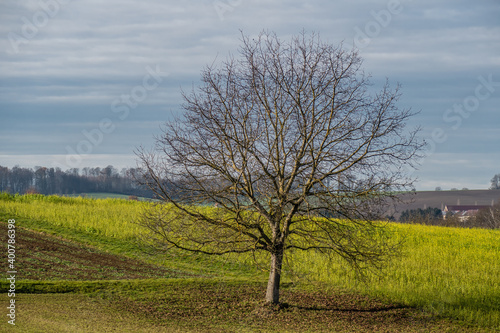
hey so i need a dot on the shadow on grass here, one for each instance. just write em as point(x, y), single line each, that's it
point(334, 309)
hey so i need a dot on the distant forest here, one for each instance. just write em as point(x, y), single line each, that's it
point(73, 181)
point(45, 180)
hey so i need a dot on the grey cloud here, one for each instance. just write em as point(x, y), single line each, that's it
point(92, 52)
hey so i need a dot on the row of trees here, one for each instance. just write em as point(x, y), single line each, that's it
point(56, 181)
point(422, 216)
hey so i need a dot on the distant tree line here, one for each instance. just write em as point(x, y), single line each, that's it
point(72, 181)
point(421, 216)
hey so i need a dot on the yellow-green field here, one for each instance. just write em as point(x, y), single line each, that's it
point(448, 272)
point(106, 217)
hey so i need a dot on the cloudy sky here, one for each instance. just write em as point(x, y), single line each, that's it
point(83, 83)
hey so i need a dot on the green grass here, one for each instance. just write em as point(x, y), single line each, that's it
point(49, 313)
point(210, 305)
point(107, 217)
point(107, 224)
point(447, 272)
point(452, 272)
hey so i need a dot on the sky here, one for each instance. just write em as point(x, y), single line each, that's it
point(85, 83)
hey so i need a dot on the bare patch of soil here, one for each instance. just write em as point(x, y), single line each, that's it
point(45, 257)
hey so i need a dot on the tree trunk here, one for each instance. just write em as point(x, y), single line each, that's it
point(273, 285)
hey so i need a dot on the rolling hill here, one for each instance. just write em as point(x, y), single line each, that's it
point(439, 199)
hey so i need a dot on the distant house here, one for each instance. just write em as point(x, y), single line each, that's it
point(464, 212)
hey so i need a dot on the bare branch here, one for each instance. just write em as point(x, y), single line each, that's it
point(290, 144)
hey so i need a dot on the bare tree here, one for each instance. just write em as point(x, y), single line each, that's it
point(487, 217)
point(495, 182)
point(291, 146)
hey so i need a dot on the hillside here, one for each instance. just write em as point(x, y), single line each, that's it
point(89, 250)
point(439, 199)
point(47, 257)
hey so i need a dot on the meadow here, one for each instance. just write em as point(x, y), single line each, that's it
point(445, 272)
point(107, 217)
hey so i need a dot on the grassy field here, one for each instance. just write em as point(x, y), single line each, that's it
point(448, 271)
point(446, 280)
point(215, 306)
